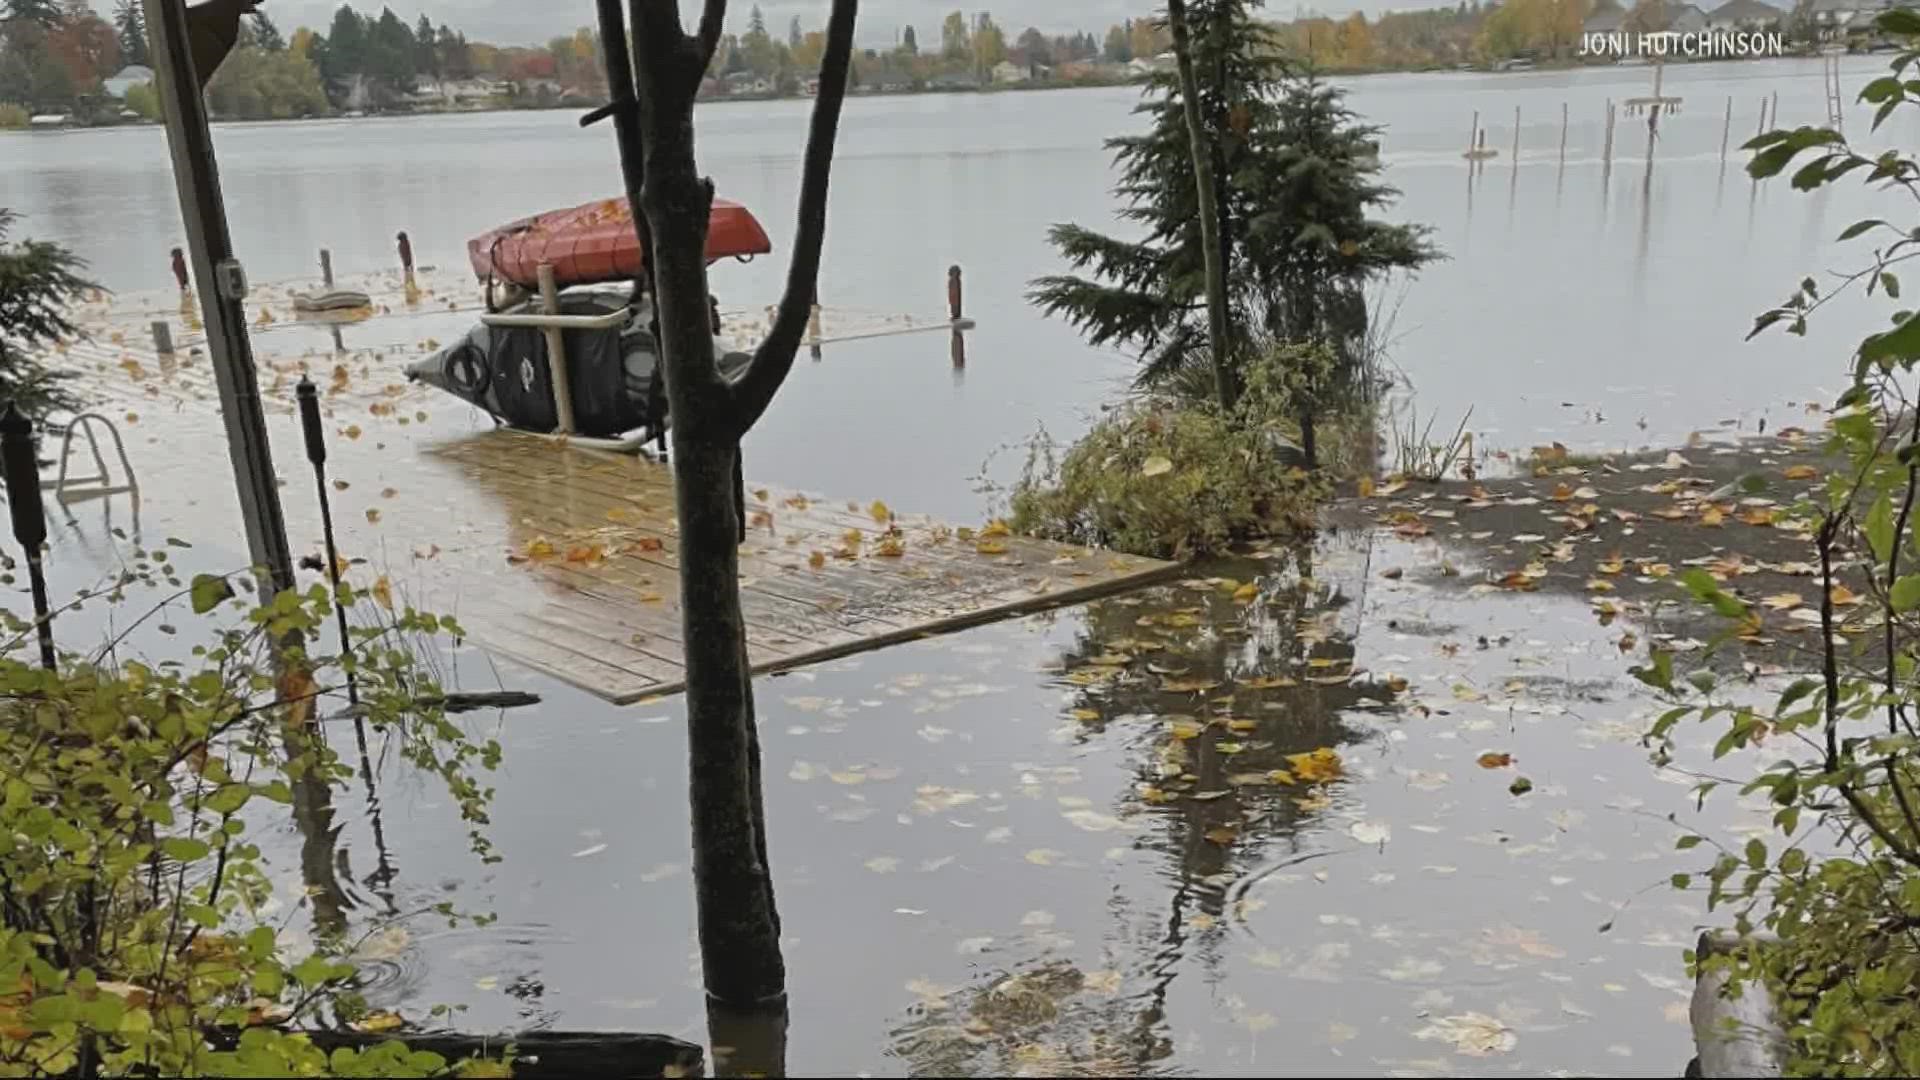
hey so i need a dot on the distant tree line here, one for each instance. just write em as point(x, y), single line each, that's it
point(55, 56)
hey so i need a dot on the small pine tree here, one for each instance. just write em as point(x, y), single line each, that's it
point(38, 283)
point(1295, 179)
point(266, 35)
point(130, 21)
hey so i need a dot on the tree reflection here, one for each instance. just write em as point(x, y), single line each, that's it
point(1223, 687)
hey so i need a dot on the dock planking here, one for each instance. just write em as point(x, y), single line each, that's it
point(560, 558)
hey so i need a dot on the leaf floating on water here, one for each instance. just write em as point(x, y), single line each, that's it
point(879, 512)
point(1043, 856)
point(884, 864)
point(1472, 1034)
point(1491, 760)
point(1371, 832)
point(1223, 835)
point(377, 1023)
point(1318, 767)
point(382, 592)
point(1800, 472)
point(1520, 786)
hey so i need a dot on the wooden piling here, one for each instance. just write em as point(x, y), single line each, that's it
point(1473, 134)
point(1726, 130)
point(1762, 130)
point(1563, 134)
point(956, 294)
point(1607, 153)
point(1516, 136)
point(163, 338)
point(1773, 114)
point(556, 351)
point(326, 267)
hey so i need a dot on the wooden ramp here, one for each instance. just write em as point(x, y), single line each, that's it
point(558, 557)
point(594, 536)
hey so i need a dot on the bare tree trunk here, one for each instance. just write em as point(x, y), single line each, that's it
point(739, 921)
point(1218, 336)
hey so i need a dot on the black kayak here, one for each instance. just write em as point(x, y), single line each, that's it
point(614, 373)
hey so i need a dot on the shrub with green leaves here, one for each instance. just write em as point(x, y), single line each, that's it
point(13, 117)
point(1838, 889)
point(1170, 477)
point(132, 936)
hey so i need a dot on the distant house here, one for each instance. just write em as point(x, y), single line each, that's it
point(1832, 15)
point(746, 82)
point(710, 87)
point(128, 78)
point(1686, 19)
point(1006, 73)
point(889, 82)
point(1143, 67)
point(458, 92)
point(954, 80)
point(1746, 15)
point(1607, 17)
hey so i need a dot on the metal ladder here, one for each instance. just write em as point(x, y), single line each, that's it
point(66, 487)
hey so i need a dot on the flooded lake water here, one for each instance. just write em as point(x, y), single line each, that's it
point(1568, 310)
point(1060, 844)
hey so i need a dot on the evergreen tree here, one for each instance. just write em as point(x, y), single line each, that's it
point(346, 45)
point(390, 54)
point(757, 22)
point(795, 36)
point(267, 35)
point(45, 13)
point(1294, 179)
point(426, 53)
point(39, 282)
point(130, 21)
point(909, 44)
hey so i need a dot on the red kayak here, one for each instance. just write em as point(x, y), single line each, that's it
point(595, 244)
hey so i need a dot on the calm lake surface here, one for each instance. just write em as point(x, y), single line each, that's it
point(951, 814)
point(1570, 309)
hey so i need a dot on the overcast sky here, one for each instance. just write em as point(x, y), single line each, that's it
point(527, 21)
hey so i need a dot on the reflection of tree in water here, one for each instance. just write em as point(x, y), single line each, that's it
point(1219, 691)
point(1049, 1019)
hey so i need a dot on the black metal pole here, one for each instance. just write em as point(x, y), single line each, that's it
point(22, 470)
point(310, 422)
point(315, 431)
point(223, 288)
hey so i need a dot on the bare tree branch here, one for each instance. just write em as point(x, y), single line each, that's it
point(713, 19)
point(773, 360)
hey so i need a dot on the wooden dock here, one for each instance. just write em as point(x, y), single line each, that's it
point(560, 558)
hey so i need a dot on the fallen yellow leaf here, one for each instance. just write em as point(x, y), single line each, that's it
point(382, 592)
